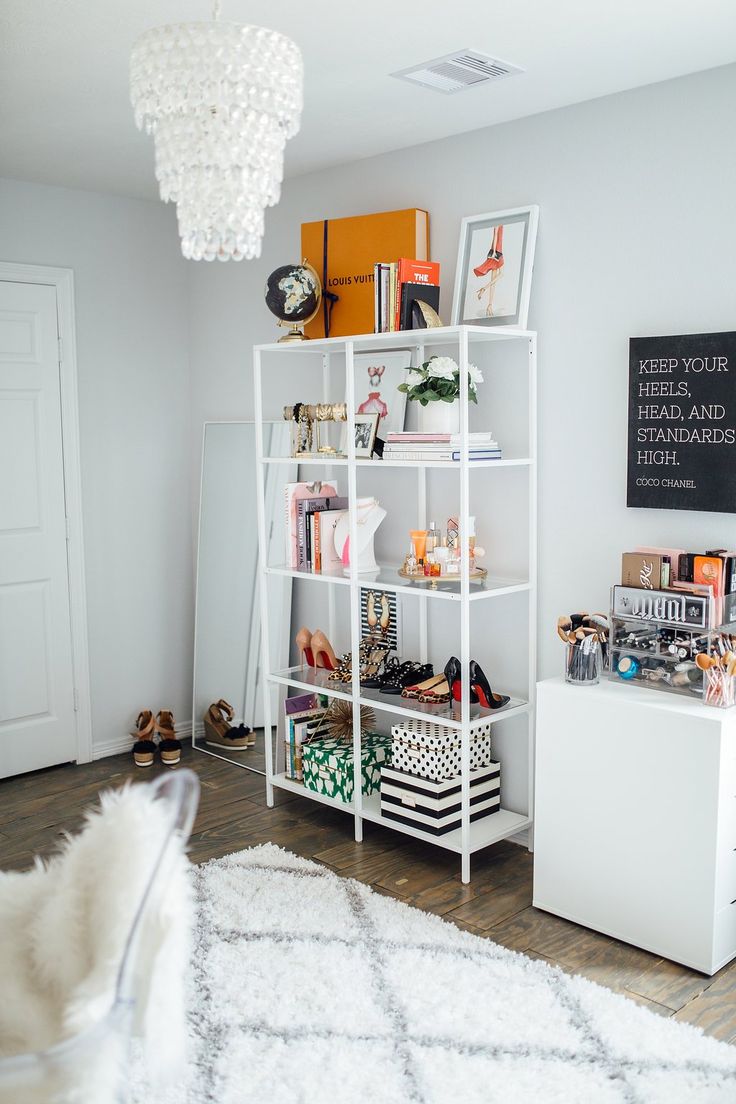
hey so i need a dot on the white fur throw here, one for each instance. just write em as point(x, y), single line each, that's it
point(63, 932)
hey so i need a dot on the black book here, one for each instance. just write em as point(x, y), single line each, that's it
point(428, 293)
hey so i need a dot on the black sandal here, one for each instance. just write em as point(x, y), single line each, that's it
point(406, 674)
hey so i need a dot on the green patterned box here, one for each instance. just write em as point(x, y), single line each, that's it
point(328, 765)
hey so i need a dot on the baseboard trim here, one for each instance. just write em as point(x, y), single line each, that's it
point(106, 748)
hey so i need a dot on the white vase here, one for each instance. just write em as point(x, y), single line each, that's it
point(439, 417)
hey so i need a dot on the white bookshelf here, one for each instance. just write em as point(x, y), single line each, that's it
point(497, 616)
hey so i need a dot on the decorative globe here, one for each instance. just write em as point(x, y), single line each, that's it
point(293, 294)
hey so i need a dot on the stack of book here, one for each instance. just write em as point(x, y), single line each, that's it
point(440, 446)
point(396, 287)
point(304, 720)
point(310, 526)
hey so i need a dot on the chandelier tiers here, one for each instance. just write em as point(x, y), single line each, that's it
point(221, 100)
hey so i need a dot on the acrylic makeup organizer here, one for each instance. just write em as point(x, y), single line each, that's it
point(656, 636)
point(502, 605)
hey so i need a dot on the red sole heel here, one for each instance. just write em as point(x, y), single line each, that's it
point(457, 690)
point(326, 663)
point(309, 657)
point(481, 696)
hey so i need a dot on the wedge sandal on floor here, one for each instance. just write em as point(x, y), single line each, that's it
point(144, 747)
point(219, 732)
point(169, 746)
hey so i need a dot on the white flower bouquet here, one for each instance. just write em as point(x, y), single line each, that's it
point(438, 380)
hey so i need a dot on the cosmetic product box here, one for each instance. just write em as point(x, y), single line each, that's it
point(436, 806)
point(673, 554)
point(432, 750)
point(646, 570)
point(328, 765)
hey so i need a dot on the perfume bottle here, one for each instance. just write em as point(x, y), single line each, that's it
point(432, 538)
point(471, 544)
point(410, 563)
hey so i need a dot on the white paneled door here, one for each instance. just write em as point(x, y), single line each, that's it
point(37, 720)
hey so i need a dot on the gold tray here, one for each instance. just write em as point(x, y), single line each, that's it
point(434, 580)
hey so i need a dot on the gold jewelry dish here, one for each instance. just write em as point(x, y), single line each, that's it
point(433, 580)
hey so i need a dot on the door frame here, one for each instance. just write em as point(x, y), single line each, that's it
point(62, 279)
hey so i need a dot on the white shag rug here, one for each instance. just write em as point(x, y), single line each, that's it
point(308, 988)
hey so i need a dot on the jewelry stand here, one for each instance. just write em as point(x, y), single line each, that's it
point(304, 417)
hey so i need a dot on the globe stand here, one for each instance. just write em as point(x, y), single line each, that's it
point(294, 334)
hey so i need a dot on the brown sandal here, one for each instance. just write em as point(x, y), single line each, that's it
point(220, 733)
point(169, 746)
point(144, 748)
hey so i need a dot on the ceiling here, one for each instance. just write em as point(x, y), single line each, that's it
point(65, 116)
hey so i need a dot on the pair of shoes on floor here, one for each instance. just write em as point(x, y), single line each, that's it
point(316, 650)
point(146, 729)
point(220, 732)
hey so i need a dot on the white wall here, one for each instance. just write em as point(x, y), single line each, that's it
point(134, 395)
point(637, 236)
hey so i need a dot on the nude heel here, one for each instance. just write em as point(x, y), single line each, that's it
point(303, 641)
point(322, 651)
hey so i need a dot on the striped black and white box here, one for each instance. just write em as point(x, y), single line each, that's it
point(435, 806)
point(432, 750)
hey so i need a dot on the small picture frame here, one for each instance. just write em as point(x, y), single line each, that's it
point(495, 259)
point(366, 428)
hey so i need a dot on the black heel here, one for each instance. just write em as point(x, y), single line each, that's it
point(480, 685)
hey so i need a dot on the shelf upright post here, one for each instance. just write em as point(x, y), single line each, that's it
point(422, 524)
point(329, 472)
point(533, 572)
point(464, 607)
point(354, 588)
point(262, 575)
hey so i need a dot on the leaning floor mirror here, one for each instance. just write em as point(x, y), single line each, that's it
point(227, 635)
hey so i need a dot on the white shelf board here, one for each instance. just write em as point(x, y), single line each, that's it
point(311, 678)
point(339, 462)
point(285, 783)
point(483, 832)
point(521, 462)
point(316, 678)
point(401, 339)
point(388, 579)
point(322, 461)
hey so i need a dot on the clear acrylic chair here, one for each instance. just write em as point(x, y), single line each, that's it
point(92, 1067)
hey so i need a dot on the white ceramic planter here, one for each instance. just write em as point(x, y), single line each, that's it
point(439, 417)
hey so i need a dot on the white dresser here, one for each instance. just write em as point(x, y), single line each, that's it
point(635, 819)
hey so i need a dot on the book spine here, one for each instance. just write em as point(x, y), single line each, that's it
point(300, 541)
point(392, 297)
point(397, 302)
point(317, 545)
point(377, 298)
point(310, 561)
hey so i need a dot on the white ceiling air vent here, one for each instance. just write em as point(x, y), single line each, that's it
point(455, 72)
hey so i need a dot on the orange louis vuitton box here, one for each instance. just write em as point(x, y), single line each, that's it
point(344, 251)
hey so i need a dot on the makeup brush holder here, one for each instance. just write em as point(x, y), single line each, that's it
point(584, 662)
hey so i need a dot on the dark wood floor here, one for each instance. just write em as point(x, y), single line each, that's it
point(37, 808)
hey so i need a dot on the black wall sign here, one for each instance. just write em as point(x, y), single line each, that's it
point(682, 422)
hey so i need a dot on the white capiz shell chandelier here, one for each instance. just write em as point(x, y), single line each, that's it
point(221, 100)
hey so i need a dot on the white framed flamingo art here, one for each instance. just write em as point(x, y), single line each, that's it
point(494, 268)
